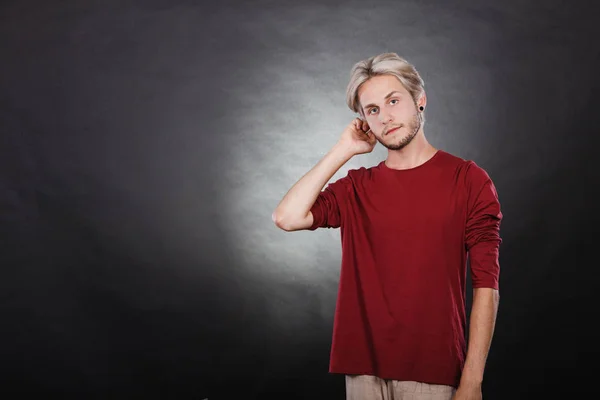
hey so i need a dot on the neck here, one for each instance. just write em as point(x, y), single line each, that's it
point(418, 151)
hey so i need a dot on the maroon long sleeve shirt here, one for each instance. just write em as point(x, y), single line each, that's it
point(406, 236)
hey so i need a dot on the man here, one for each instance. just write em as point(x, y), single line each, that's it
point(407, 226)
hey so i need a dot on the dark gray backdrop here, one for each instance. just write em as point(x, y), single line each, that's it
point(145, 144)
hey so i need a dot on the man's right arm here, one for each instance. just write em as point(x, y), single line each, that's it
point(293, 212)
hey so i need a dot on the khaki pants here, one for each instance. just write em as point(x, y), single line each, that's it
point(367, 387)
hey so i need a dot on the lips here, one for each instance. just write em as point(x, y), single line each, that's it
point(392, 130)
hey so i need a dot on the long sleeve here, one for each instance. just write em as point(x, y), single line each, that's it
point(482, 234)
point(327, 209)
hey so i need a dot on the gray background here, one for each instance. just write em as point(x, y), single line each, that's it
point(145, 144)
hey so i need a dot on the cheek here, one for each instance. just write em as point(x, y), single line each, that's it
point(406, 110)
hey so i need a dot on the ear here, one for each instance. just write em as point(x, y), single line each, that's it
point(422, 102)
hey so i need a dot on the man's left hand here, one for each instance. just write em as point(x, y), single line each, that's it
point(468, 392)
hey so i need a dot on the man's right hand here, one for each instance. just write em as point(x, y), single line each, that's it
point(356, 139)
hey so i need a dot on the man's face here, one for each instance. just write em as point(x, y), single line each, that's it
point(388, 105)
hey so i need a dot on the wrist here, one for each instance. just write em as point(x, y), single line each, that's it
point(471, 381)
point(343, 150)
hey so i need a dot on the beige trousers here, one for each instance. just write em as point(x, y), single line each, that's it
point(367, 387)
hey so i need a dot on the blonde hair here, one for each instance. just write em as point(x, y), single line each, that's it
point(383, 64)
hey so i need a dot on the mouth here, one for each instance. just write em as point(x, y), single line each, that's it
point(392, 130)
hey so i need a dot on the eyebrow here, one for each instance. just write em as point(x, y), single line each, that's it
point(385, 98)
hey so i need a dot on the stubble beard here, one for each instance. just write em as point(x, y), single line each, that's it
point(413, 129)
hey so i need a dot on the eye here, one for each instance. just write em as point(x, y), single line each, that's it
point(375, 108)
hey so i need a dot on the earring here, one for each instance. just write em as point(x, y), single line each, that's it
point(421, 108)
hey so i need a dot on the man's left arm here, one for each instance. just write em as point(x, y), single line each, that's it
point(482, 241)
point(481, 330)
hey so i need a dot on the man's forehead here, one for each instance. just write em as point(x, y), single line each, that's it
point(381, 90)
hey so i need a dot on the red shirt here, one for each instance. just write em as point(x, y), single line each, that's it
point(405, 236)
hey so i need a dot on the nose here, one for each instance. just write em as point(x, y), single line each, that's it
point(385, 118)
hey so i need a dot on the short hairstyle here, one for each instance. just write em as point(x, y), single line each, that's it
point(383, 64)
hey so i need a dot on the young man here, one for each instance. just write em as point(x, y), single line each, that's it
point(407, 225)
